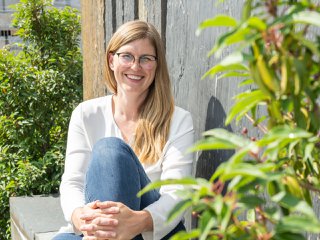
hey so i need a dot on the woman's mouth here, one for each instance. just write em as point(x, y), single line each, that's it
point(134, 77)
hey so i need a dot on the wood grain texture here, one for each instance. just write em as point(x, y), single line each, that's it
point(208, 100)
point(125, 11)
point(93, 46)
point(150, 11)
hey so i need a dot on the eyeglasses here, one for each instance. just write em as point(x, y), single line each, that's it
point(145, 61)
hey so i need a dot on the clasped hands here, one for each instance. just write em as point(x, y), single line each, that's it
point(109, 220)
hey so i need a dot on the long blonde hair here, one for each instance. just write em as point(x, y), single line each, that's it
point(156, 112)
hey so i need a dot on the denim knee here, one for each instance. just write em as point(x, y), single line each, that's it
point(111, 149)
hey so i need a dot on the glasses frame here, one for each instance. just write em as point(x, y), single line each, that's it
point(139, 59)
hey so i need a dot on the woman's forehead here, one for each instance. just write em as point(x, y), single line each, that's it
point(139, 46)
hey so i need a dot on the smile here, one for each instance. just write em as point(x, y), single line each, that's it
point(134, 77)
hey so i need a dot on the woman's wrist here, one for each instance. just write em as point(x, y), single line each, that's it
point(75, 220)
point(146, 221)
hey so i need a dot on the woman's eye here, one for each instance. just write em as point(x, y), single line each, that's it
point(127, 56)
point(144, 59)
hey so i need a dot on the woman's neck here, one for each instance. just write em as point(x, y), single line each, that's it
point(127, 107)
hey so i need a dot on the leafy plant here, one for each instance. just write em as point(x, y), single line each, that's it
point(40, 84)
point(269, 182)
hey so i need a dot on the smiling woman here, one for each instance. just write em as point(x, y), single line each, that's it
point(119, 143)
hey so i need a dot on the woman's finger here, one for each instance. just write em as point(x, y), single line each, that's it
point(107, 204)
point(103, 224)
point(105, 221)
point(100, 235)
point(110, 210)
point(94, 204)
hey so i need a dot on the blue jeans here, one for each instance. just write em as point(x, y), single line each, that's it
point(116, 174)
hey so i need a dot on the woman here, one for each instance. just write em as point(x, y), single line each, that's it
point(117, 144)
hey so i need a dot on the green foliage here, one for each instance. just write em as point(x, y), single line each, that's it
point(270, 180)
point(39, 85)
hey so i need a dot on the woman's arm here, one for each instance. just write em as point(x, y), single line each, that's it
point(77, 155)
point(176, 164)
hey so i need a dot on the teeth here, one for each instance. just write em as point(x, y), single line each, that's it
point(134, 77)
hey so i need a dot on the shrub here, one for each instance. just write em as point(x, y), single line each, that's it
point(39, 85)
point(271, 180)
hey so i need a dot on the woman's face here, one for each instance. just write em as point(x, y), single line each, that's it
point(134, 67)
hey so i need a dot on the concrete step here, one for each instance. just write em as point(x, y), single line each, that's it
point(35, 218)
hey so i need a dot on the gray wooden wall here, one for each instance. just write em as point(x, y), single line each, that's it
point(208, 100)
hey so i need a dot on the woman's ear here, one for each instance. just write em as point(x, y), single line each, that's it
point(110, 61)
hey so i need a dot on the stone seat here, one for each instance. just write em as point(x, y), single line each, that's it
point(36, 217)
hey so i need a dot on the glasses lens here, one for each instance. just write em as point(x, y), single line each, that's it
point(125, 58)
point(146, 62)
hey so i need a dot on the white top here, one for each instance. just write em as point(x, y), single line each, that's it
point(93, 120)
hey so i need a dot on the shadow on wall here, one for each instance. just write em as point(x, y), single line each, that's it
point(208, 161)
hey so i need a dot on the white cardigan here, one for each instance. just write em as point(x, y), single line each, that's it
point(93, 120)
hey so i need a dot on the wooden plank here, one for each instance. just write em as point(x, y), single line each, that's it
point(208, 100)
point(93, 39)
point(150, 11)
point(125, 11)
point(110, 21)
point(154, 12)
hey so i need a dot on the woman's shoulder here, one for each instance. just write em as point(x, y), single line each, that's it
point(94, 105)
point(181, 121)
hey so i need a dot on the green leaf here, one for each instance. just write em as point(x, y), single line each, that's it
point(218, 204)
point(251, 201)
point(160, 183)
point(244, 103)
point(243, 169)
point(308, 152)
point(307, 17)
point(212, 143)
point(306, 42)
point(223, 134)
point(241, 34)
point(179, 209)
point(206, 223)
point(236, 74)
point(283, 132)
point(293, 203)
point(298, 224)
point(233, 58)
point(195, 233)
point(218, 21)
point(289, 236)
point(257, 23)
point(226, 217)
point(221, 68)
point(251, 215)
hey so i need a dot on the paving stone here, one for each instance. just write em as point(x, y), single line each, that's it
point(36, 217)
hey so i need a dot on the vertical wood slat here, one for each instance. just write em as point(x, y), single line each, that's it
point(154, 12)
point(93, 39)
point(125, 11)
point(110, 21)
point(150, 11)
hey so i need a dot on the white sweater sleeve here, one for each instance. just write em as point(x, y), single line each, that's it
point(77, 157)
point(176, 164)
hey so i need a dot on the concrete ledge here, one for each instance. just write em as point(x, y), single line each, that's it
point(36, 217)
